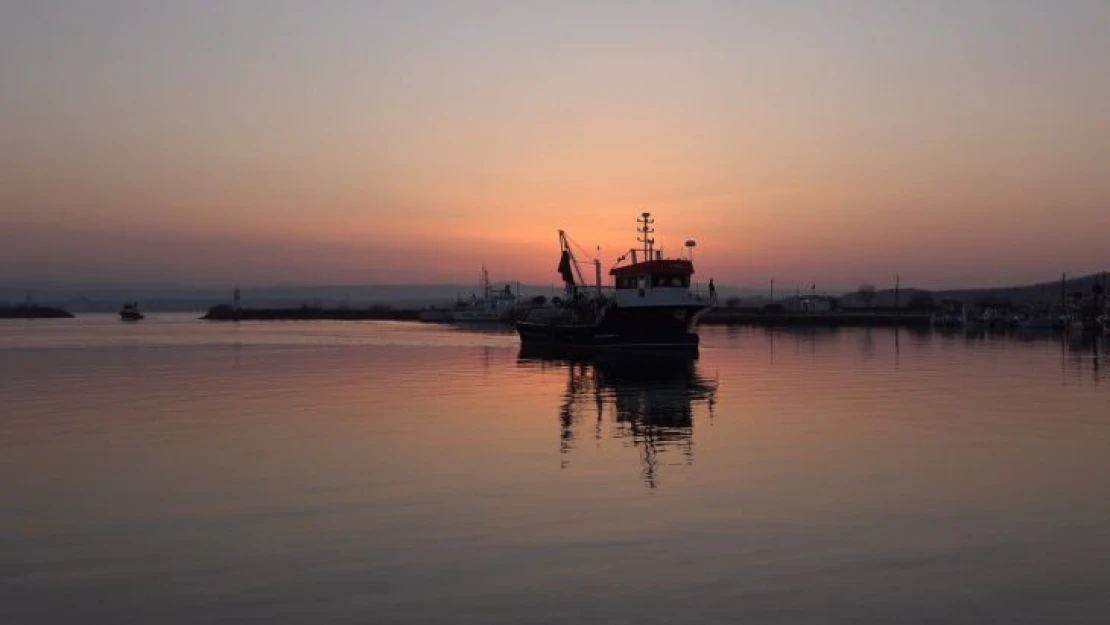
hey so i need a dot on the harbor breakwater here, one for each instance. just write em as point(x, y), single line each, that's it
point(34, 312)
point(717, 316)
point(727, 316)
point(308, 313)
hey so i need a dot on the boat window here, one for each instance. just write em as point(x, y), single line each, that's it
point(670, 281)
point(626, 283)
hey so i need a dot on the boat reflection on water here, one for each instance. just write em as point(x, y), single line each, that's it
point(646, 401)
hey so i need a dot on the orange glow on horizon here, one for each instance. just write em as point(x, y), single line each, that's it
point(390, 143)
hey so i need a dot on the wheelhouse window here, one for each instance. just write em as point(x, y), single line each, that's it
point(655, 280)
point(663, 280)
point(626, 283)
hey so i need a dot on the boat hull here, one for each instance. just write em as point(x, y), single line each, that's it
point(534, 335)
point(477, 316)
point(644, 329)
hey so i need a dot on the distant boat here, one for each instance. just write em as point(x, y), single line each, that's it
point(130, 312)
point(498, 304)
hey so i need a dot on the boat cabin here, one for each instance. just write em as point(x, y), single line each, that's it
point(654, 282)
point(649, 280)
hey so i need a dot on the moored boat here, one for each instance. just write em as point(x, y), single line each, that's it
point(497, 304)
point(651, 306)
point(130, 312)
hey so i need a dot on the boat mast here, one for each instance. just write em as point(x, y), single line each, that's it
point(568, 266)
point(645, 237)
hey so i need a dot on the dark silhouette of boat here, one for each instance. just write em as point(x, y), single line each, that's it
point(651, 307)
point(130, 312)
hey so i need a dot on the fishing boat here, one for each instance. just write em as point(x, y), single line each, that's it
point(650, 306)
point(130, 312)
point(496, 304)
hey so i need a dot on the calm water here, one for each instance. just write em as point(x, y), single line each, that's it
point(174, 471)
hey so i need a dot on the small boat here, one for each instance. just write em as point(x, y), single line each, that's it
point(650, 309)
point(130, 312)
point(497, 304)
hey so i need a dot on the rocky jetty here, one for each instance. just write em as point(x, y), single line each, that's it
point(308, 313)
point(33, 312)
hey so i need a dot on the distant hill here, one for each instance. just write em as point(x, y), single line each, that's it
point(1042, 293)
point(174, 298)
point(199, 299)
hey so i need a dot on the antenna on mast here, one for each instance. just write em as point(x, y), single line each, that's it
point(646, 231)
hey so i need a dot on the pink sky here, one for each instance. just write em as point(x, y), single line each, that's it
point(353, 142)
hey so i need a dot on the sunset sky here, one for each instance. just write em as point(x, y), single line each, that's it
point(956, 143)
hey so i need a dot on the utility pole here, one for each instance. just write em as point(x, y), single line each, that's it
point(597, 276)
point(772, 290)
